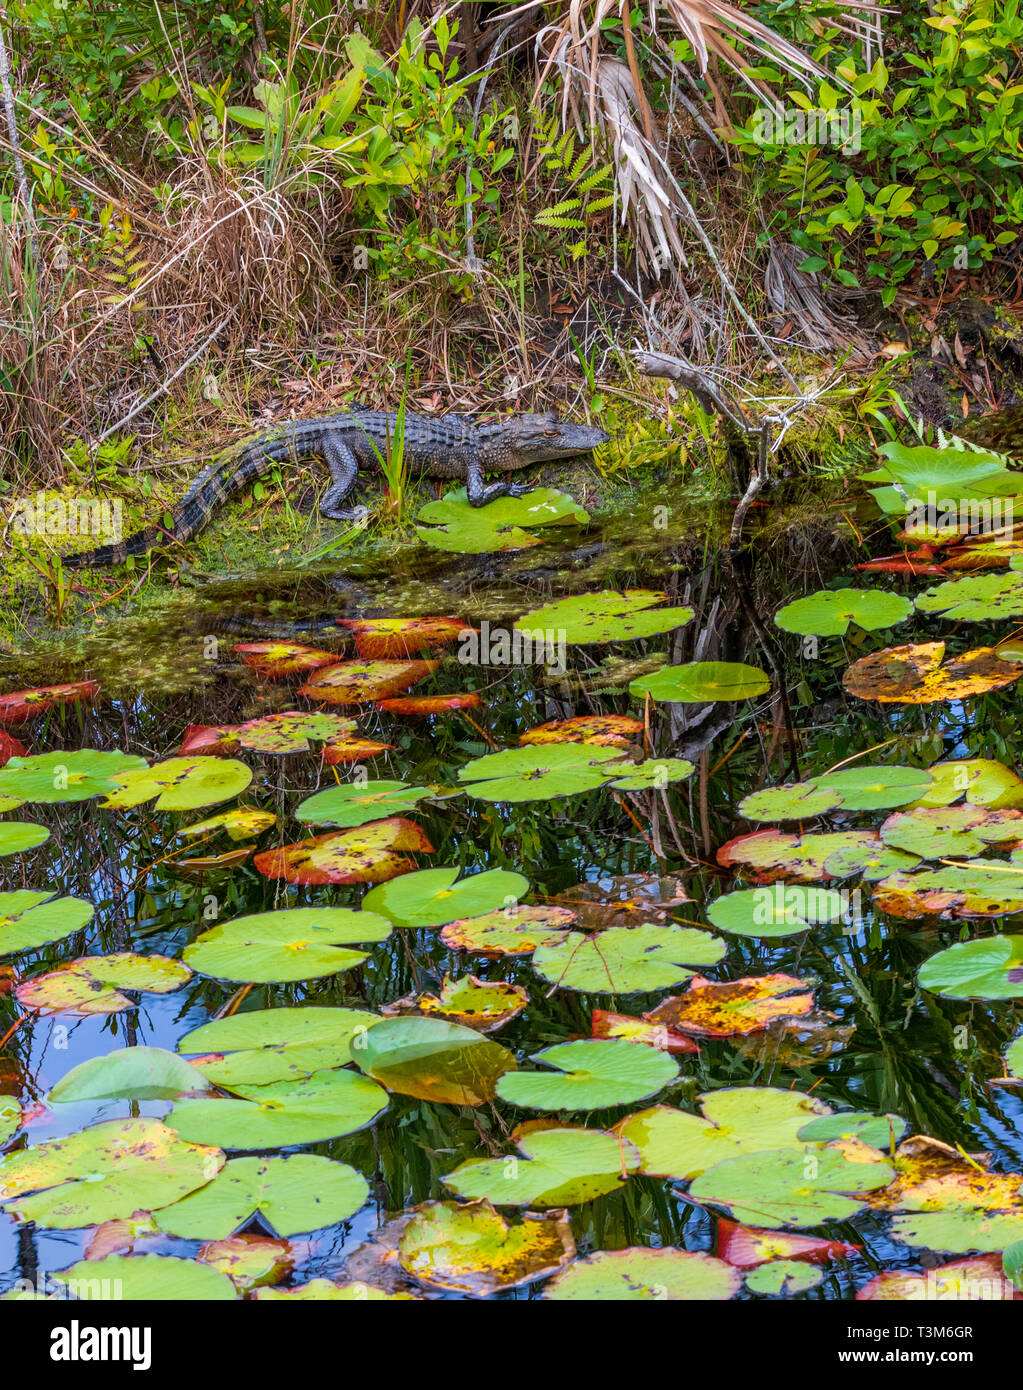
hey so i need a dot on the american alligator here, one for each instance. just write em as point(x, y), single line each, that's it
point(441, 446)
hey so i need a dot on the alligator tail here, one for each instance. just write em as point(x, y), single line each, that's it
point(230, 473)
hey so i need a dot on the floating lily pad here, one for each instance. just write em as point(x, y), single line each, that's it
point(239, 823)
point(943, 832)
point(10, 1118)
point(507, 523)
point(434, 1060)
point(148, 1279)
point(480, 1004)
point(367, 854)
point(636, 1274)
point(216, 740)
point(939, 475)
point(918, 674)
point(975, 599)
point(396, 638)
point(281, 659)
point(876, 788)
point(559, 1168)
point(778, 910)
point(700, 682)
point(29, 920)
point(288, 1112)
point(509, 931)
point(325, 1290)
point(470, 1248)
point(748, 1246)
point(622, 615)
point(786, 1187)
point(75, 776)
point(293, 731)
point(429, 705)
point(979, 1277)
point(355, 803)
point(829, 612)
point(737, 1007)
point(988, 969)
point(783, 1278)
point(250, 1261)
point(611, 730)
point(653, 774)
point(956, 1206)
point(983, 888)
point(93, 984)
point(539, 773)
point(879, 1131)
point(301, 1193)
point(604, 1024)
point(793, 801)
point(300, 943)
point(590, 1075)
point(432, 897)
point(262, 1046)
point(982, 781)
point(22, 706)
point(358, 682)
point(627, 960)
point(341, 751)
point(769, 855)
point(180, 784)
point(104, 1173)
point(17, 836)
point(130, 1073)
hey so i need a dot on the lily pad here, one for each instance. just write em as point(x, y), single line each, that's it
point(355, 803)
point(293, 731)
point(325, 1290)
point(829, 612)
point(654, 774)
point(130, 1073)
point(941, 832)
point(300, 943)
point(778, 910)
point(262, 1046)
point(398, 638)
point(470, 1248)
point(611, 730)
point(148, 1279)
point(359, 682)
point(918, 674)
point(480, 1004)
point(982, 781)
point(434, 1060)
point(422, 706)
point(559, 1168)
point(10, 1118)
point(507, 523)
point(303, 1192)
point(29, 920)
point(975, 599)
point(308, 1111)
point(508, 931)
point(75, 776)
point(22, 706)
point(979, 1277)
point(991, 968)
point(239, 823)
point(865, 788)
point(636, 1274)
point(782, 1278)
point(746, 1247)
point(104, 1173)
point(879, 1131)
point(17, 836)
point(983, 888)
point(699, 682)
point(541, 772)
point(604, 1024)
point(627, 960)
point(593, 1074)
point(180, 784)
point(366, 854)
point(793, 801)
point(432, 897)
point(787, 1187)
point(611, 615)
point(740, 1006)
point(93, 984)
point(277, 660)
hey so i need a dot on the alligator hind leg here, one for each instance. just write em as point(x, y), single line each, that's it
point(344, 471)
point(480, 493)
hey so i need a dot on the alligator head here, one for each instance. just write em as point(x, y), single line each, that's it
point(520, 440)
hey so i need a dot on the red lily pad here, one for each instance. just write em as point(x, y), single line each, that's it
point(429, 704)
point(399, 638)
point(278, 660)
point(978, 1277)
point(640, 1030)
point(747, 1246)
point(359, 682)
point(10, 748)
point(214, 740)
point(352, 750)
point(610, 730)
point(22, 706)
point(367, 854)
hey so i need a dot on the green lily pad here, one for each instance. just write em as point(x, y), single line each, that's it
point(485, 1005)
point(509, 931)
point(983, 781)
point(590, 1075)
point(308, 1111)
point(104, 1173)
point(786, 1187)
point(293, 731)
point(180, 784)
point(627, 960)
point(976, 598)
point(782, 1278)
point(93, 984)
point(72, 776)
point(470, 1248)
point(325, 1290)
point(779, 909)
point(829, 612)
point(149, 1279)
point(700, 682)
point(879, 1131)
point(560, 1168)
point(868, 861)
point(268, 1045)
point(654, 773)
point(876, 788)
point(737, 1120)
point(130, 1073)
point(299, 943)
point(507, 523)
point(951, 832)
point(301, 1193)
point(434, 1060)
point(612, 615)
point(10, 1118)
point(29, 920)
point(432, 897)
point(636, 1274)
point(988, 969)
point(935, 476)
point(793, 801)
point(16, 836)
point(1014, 1058)
point(982, 888)
point(540, 772)
point(353, 803)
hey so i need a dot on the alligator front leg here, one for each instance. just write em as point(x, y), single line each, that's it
point(480, 493)
point(344, 471)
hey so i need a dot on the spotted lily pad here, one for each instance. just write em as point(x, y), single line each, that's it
point(789, 1187)
point(293, 731)
point(983, 888)
point(991, 968)
point(740, 1006)
point(604, 1024)
point(180, 784)
point(130, 1073)
point(941, 832)
point(433, 897)
point(507, 523)
point(559, 1168)
point(948, 1201)
point(829, 612)
point(541, 772)
point(239, 823)
point(434, 1060)
point(303, 1192)
point(355, 803)
point(480, 1004)
point(918, 674)
point(76, 776)
point(29, 920)
point(636, 1274)
point(93, 984)
point(627, 960)
point(104, 1173)
point(300, 943)
point(700, 682)
point(281, 659)
point(22, 706)
point(367, 854)
point(308, 1111)
point(509, 931)
point(262, 1046)
point(769, 855)
point(249, 1260)
point(621, 615)
point(746, 1247)
point(398, 638)
point(589, 1075)
point(979, 1277)
point(976, 598)
point(778, 910)
point(358, 682)
point(612, 730)
point(981, 781)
